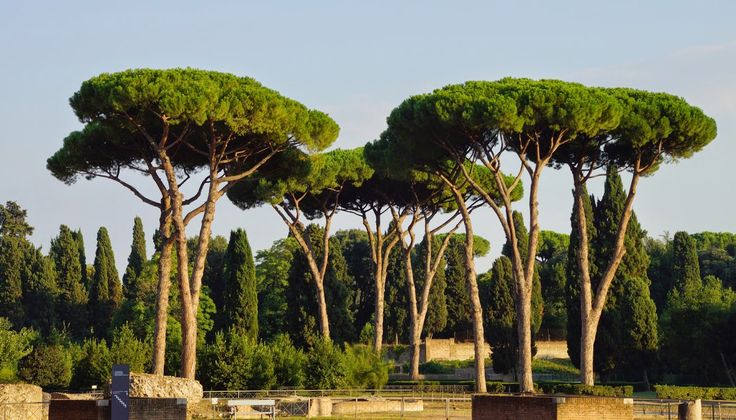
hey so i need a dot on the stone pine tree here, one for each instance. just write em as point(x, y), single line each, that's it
point(652, 129)
point(500, 315)
point(14, 245)
point(483, 122)
point(105, 291)
point(136, 260)
point(627, 335)
point(72, 298)
point(241, 297)
point(686, 280)
point(171, 124)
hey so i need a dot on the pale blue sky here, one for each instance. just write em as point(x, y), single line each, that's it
point(357, 60)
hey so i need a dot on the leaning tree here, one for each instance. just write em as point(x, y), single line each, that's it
point(171, 125)
point(298, 186)
point(650, 129)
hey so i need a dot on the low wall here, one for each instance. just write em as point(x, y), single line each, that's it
point(448, 349)
point(21, 402)
point(143, 385)
point(376, 406)
point(508, 407)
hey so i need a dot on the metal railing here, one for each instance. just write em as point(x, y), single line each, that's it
point(667, 409)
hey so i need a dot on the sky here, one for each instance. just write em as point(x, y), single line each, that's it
point(357, 60)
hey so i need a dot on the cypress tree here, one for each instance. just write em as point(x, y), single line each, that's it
point(396, 315)
point(136, 260)
point(572, 287)
point(105, 294)
point(459, 308)
point(86, 277)
point(13, 247)
point(39, 291)
point(686, 280)
point(339, 296)
point(72, 299)
point(627, 333)
point(500, 315)
point(437, 311)
point(241, 297)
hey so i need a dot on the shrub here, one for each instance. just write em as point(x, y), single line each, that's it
point(325, 367)
point(93, 366)
point(694, 392)
point(365, 369)
point(14, 345)
point(47, 367)
point(436, 367)
point(495, 387)
point(234, 361)
point(127, 349)
point(288, 362)
point(580, 389)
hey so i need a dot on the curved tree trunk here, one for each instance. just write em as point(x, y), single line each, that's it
point(478, 336)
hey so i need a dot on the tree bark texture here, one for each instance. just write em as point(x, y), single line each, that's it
point(162, 296)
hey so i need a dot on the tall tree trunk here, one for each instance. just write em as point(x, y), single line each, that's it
point(379, 289)
point(591, 305)
point(478, 340)
point(415, 333)
point(162, 296)
point(324, 322)
point(523, 330)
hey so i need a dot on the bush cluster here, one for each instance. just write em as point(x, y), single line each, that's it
point(235, 361)
point(580, 389)
point(694, 392)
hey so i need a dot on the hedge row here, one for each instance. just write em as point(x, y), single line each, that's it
point(580, 389)
point(694, 393)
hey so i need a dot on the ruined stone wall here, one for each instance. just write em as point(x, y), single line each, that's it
point(22, 402)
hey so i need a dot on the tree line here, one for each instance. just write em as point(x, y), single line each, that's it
point(438, 161)
point(258, 322)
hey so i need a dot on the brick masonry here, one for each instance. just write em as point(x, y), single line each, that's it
point(140, 409)
point(512, 407)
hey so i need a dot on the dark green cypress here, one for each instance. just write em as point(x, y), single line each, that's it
point(72, 299)
point(627, 334)
point(437, 311)
point(79, 238)
point(136, 260)
point(39, 291)
point(500, 314)
point(339, 296)
point(396, 312)
point(685, 268)
point(459, 308)
point(13, 247)
point(241, 297)
point(105, 294)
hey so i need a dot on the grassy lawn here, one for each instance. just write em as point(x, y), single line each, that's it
point(562, 367)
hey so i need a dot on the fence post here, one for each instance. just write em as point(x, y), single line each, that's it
point(447, 409)
point(402, 406)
